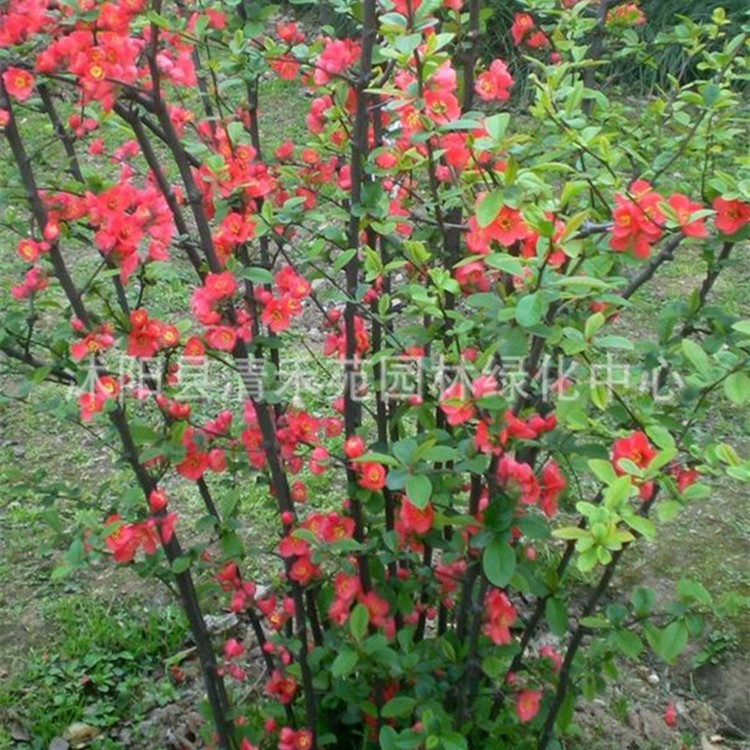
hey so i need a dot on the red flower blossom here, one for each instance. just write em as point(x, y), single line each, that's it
point(683, 209)
point(493, 84)
point(194, 465)
point(416, 520)
point(222, 338)
point(29, 250)
point(628, 14)
point(124, 540)
point(527, 704)
point(523, 24)
point(456, 404)
point(219, 286)
point(636, 448)
point(354, 447)
point(501, 614)
point(19, 83)
point(731, 215)
point(441, 106)
point(372, 476)
point(552, 485)
point(507, 228)
point(282, 688)
point(520, 476)
point(670, 715)
point(637, 221)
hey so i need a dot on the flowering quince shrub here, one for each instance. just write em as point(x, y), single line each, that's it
point(464, 445)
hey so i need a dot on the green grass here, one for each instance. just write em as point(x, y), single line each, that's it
point(90, 668)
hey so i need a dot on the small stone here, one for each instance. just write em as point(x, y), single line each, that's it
point(58, 743)
point(216, 624)
point(653, 679)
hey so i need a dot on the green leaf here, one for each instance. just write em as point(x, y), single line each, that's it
point(453, 741)
point(489, 208)
point(696, 356)
point(628, 643)
point(440, 454)
point(644, 526)
point(557, 616)
point(737, 388)
point(344, 663)
point(418, 490)
point(661, 436)
point(505, 262)
point(602, 470)
point(643, 600)
point(570, 532)
point(493, 666)
point(696, 492)
point(667, 510)
point(398, 707)
point(380, 458)
point(496, 125)
point(669, 643)
point(343, 258)
point(529, 310)
point(599, 396)
point(499, 563)
point(256, 275)
point(689, 589)
point(593, 324)
point(617, 492)
point(180, 564)
point(388, 739)
point(358, 621)
point(614, 342)
point(711, 93)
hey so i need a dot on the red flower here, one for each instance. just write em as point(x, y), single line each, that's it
point(290, 282)
point(512, 474)
point(144, 337)
point(507, 227)
point(670, 715)
point(125, 540)
point(731, 215)
point(683, 209)
point(416, 520)
point(636, 448)
point(292, 546)
point(456, 404)
point(501, 614)
point(354, 447)
point(637, 221)
point(628, 14)
point(372, 476)
point(194, 465)
point(291, 740)
point(523, 23)
point(277, 314)
point(303, 571)
point(19, 83)
point(282, 688)
point(219, 286)
point(90, 404)
point(222, 338)
point(157, 500)
point(552, 484)
point(494, 83)
point(337, 56)
point(441, 106)
point(29, 250)
point(527, 704)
